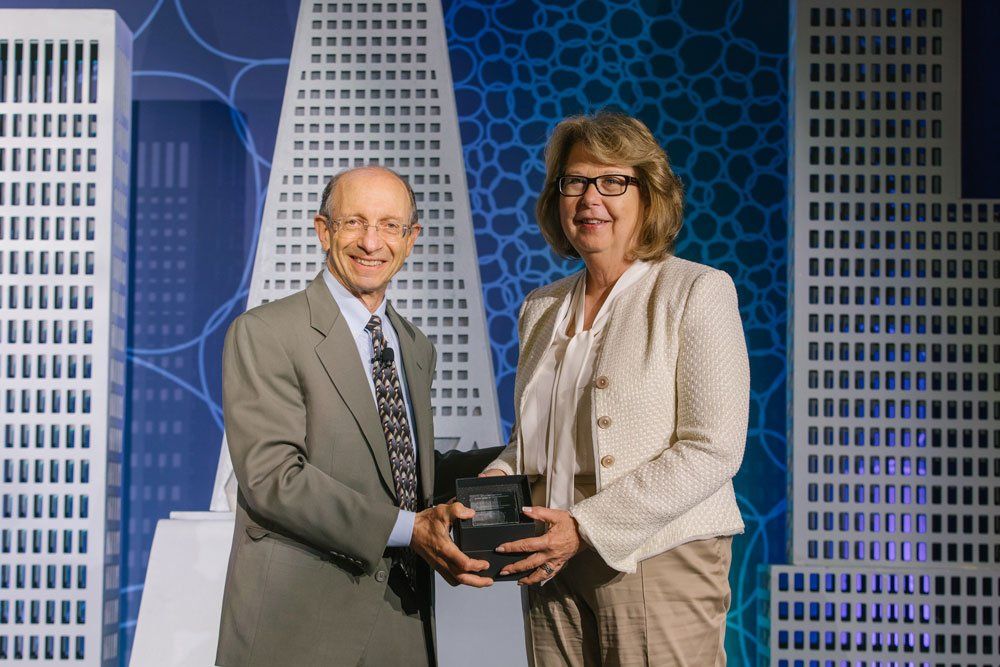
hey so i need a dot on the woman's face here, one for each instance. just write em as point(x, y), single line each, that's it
point(599, 226)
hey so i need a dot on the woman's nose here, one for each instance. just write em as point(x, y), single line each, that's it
point(591, 196)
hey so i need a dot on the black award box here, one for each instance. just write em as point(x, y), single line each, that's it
point(499, 519)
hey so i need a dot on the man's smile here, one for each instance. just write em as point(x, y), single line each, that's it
point(368, 262)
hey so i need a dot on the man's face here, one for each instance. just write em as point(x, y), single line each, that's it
point(364, 261)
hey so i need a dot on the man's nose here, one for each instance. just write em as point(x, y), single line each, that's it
point(370, 240)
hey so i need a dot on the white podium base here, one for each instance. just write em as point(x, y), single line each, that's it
point(178, 620)
point(480, 628)
point(178, 623)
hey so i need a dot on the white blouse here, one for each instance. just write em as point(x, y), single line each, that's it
point(556, 416)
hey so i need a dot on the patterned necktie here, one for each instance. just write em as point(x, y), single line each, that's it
point(395, 425)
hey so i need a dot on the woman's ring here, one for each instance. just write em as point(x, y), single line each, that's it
point(548, 569)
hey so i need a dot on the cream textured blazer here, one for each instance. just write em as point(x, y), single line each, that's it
point(670, 395)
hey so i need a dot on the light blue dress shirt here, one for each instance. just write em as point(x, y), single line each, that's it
point(356, 314)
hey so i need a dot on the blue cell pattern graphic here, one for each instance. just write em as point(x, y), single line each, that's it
point(709, 78)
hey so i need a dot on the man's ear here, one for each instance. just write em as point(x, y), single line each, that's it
point(322, 231)
point(414, 234)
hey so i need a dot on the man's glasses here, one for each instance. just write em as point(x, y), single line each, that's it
point(609, 185)
point(387, 229)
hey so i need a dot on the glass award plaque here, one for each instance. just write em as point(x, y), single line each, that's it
point(499, 519)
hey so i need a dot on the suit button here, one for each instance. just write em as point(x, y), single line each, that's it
point(604, 422)
point(607, 461)
point(381, 576)
point(602, 382)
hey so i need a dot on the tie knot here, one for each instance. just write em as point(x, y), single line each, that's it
point(374, 324)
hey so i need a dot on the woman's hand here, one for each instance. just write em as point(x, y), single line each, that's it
point(492, 472)
point(551, 551)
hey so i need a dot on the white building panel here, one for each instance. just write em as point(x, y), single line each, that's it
point(849, 617)
point(65, 124)
point(895, 434)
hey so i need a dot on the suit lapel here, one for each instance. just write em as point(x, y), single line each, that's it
point(347, 373)
point(418, 387)
point(539, 337)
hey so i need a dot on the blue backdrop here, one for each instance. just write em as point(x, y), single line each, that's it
point(708, 76)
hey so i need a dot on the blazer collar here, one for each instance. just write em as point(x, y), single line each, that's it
point(347, 373)
point(540, 333)
point(554, 305)
point(407, 336)
point(323, 310)
point(348, 377)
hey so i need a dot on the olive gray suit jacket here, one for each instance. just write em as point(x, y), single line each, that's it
point(316, 503)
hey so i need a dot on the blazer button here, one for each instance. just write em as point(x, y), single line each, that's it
point(604, 422)
point(602, 382)
point(381, 576)
point(607, 461)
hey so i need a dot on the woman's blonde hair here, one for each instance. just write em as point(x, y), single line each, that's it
point(614, 138)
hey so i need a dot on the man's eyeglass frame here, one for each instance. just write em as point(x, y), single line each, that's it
point(364, 225)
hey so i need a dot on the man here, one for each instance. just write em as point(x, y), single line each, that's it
point(328, 418)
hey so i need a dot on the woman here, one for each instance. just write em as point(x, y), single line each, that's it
point(632, 394)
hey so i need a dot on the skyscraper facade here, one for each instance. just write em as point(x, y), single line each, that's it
point(65, 123)
point(370, 83)
point(895, 428)
point(191, 194)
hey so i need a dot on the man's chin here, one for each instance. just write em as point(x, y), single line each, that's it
point(367, 287)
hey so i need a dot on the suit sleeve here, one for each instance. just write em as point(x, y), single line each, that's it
point(713, 397)
point(506, 460)
point(265, 420)
point(455, 464)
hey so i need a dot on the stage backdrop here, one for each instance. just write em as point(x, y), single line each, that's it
point(708, 76)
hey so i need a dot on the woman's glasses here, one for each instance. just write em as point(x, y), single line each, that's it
point(609, 185)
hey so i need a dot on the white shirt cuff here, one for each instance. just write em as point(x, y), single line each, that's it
point(403, 530)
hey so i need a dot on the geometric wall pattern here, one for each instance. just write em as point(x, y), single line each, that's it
point(848, 616)
point(182, 148)
point(65, 127)
point(895, 294)
point(708, 77)
point(370, 83)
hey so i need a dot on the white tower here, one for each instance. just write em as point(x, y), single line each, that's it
point(65, 123)
point(370, 82)
point(895, 437)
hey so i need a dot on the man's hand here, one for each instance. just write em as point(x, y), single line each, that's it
point(550, 552)
point(432, 541)
point(492, 472)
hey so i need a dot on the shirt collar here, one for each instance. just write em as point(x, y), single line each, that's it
point(633, 274)
point(351, 307)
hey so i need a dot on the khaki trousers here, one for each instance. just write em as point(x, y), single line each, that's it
point(670, 612)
